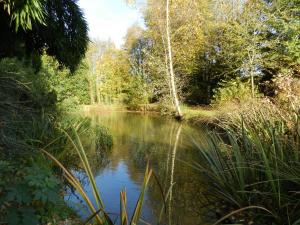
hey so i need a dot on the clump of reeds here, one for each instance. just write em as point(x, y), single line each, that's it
point(253, 170)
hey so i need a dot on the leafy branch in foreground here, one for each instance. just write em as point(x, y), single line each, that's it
point(24, 13)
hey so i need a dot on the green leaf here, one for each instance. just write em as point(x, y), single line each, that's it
point(13, 218)
point(19, 194)
point(29, 217)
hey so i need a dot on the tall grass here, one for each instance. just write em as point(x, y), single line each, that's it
point(253, 170)
point(98, 215)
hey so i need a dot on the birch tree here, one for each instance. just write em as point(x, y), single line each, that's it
point(171, 68)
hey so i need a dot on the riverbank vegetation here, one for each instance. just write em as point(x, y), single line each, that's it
point(30, 187)
point(251, 166)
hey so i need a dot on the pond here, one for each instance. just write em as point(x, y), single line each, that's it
point(168, 146)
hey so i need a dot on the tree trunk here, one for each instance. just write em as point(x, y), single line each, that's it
point(92, 97)
point(167, 71)
point(251, 56)
point(172, 75)
point(98, 90)
point(252, 85)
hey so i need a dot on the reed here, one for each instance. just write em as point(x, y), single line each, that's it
point(98, 215)
point(254, 167)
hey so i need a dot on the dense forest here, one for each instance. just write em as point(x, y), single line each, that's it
point(232, 66)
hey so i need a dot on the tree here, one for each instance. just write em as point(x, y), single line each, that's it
point(96, 52)
point(257, 43)
point(187, 39)
point(135, 45)
point(283, 46)
point(239, 46)
point(60, 30)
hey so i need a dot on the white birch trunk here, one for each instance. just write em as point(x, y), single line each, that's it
point(172, 75)
point(167, 72)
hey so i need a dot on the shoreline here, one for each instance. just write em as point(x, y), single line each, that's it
point(195, 115)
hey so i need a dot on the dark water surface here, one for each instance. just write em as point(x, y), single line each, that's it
point(167, 145)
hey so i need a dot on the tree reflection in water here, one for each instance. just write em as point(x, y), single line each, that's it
point(163, 142)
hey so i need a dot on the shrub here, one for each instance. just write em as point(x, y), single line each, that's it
point(233, 91)
point(26, 101)
point(136, 94)
point(29, 194)
point(287, 89)
point(71, 89)
point(104, 140)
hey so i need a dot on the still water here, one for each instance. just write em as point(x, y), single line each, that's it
point(137, 139)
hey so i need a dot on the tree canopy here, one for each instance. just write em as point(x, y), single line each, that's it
point(31, 27)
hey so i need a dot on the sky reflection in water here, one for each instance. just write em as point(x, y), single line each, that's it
point(137, 139)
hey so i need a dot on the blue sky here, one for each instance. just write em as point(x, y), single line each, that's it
point(109, 19)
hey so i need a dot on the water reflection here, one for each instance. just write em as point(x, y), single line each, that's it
point(165, 144)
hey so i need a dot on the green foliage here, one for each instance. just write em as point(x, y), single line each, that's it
point(283, 36)
point(136, 93)
point(25, 102)
point(21, 85)
point(66, 34)
point(234, 90)
point(24, 13)
point(29, 194)
point(215, 41)
point(116, 78)
point(104, 140)
point(62, 35)
point(28, 106)
point(71, 89)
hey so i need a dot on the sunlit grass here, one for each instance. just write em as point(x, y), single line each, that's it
point(199, 114)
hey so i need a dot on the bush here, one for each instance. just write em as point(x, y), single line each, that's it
point(135, 94)
point(71, 89)
point(287, 89)
point(29, 194)
point(25, 102)
point(233, 91)
point(104, 140)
